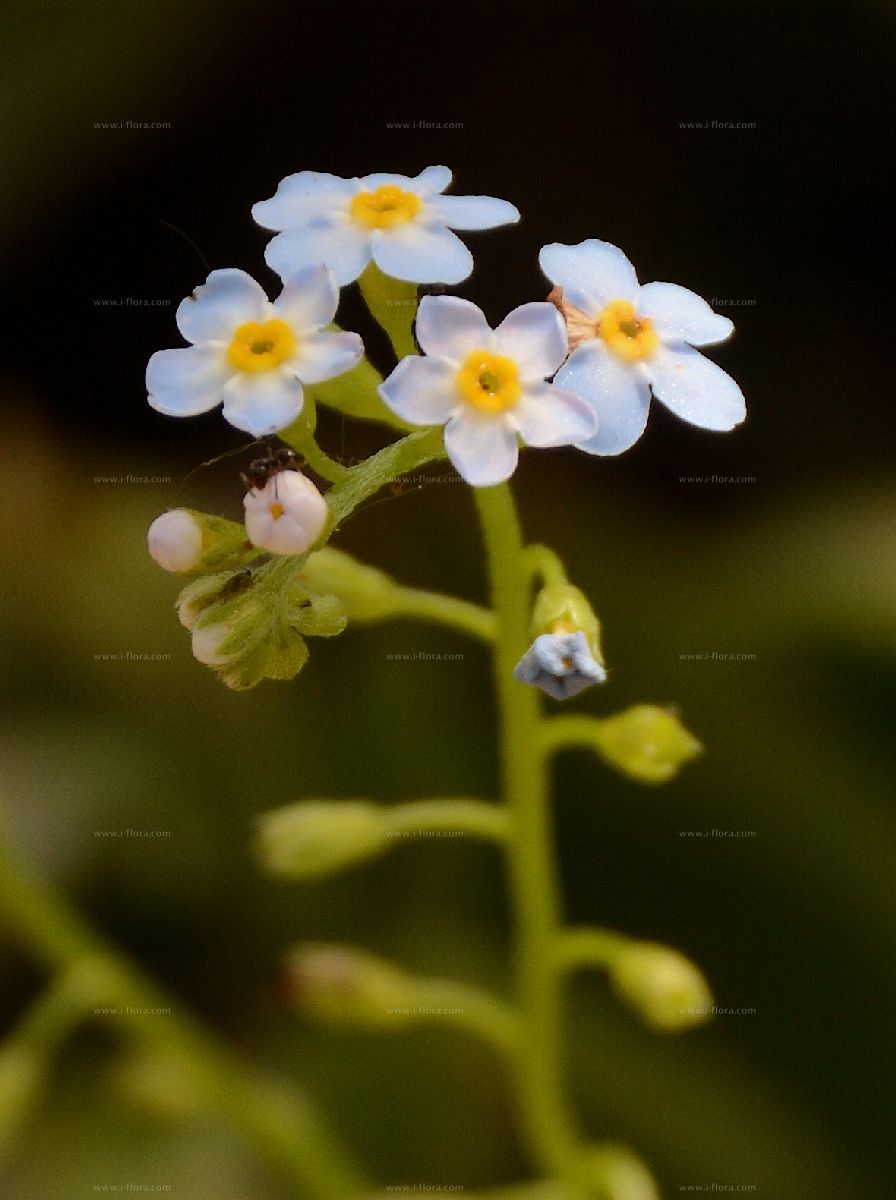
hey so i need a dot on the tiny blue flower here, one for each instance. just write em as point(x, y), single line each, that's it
point(561, 664)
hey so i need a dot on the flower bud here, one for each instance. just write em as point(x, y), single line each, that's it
point(287, 515)
point(183, 540)
point(666, 989)
point(175, 541)
point(647, 742)
point(317, 837)
point(345, 986)
point(561, 608)
point(366, 592)
point(207, 641)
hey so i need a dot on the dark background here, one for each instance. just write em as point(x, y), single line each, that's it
point(574, 113)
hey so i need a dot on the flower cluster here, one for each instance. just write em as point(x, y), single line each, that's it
point(575, 369)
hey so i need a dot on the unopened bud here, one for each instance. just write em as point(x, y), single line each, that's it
point(317, 837)
point(647, 742)
point(184, 540)
point(287, 515)
point(342, 985)
point(665, 988)
point(207, 641)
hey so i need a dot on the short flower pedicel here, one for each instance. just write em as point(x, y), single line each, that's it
point(250, 354)
point(402, 224)
point(488, 385)
point(628, 340)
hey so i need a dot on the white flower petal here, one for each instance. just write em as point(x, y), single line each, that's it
point(182, 383)
point(534, 336)
point(549, 416)
point(452, 328)
point(679, 315)
point(591, 274)
point(421, 254)
point(264, 402)
point(472, 212)
point(422, 390)
point(302, 197)
point(336, 241)
point(695, 389)
point(323, 355)
point(616, 391)
point(226, 299)
point(482, 448)
point(309, 299)
point(432, 180)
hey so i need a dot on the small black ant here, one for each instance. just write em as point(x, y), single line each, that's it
point(261, 470)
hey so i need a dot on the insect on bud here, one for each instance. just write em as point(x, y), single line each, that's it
point(317, 837)
point(287, 515)
point(665, 988)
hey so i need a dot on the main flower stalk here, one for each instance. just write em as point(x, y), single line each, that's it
point(548, 1130)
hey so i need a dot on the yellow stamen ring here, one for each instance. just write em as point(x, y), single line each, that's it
point(630, 337)
point(489, 382)
point(261, 345)
point(385, 208)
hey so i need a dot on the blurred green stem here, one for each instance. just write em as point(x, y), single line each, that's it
point(552, 1140)
point(544, 562)
point(476, 817)
point(278, 1122)
point(588, 947)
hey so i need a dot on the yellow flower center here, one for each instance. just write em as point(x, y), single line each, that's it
point(277, 510)
point(261, 345)
point(489, 382)
point(385, 208)
point(630, 337)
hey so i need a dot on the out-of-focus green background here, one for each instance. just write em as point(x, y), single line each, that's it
point(577, 115)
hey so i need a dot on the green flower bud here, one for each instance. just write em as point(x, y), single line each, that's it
point(368, 594)
point(562, 608)
point(647, 742)
point(318, 837)
point(344, 986)
point(185, 541)
point(665, 988)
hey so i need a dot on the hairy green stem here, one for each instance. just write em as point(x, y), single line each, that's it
point(552, 1140)
point(278, 1122)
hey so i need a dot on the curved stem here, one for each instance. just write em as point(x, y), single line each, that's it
point(445, 610)
point(575, 732)
point(552, 1140)
point(488, 821)
point(588, 946)
point(270, 1115)
point(301, 437)
point(545, 562)
point(398, 458)
point(471, 1009)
